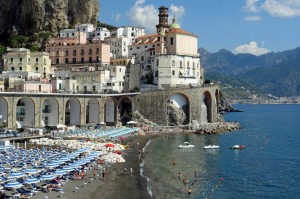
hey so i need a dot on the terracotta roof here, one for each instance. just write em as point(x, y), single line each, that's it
point(180, 31)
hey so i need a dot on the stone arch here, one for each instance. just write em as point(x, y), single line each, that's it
point(92, 111)
point(110, 111)
point(207, 99)
point(124, 110)
point(217, 95)
point(3, 112)
point(72, 111)
point(25, 112)
point(178, 109)
point(50, 112)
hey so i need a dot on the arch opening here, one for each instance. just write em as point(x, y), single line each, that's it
point(178, 110)
point(50, 112)
point(3, 113)
point(110, 112)
point(208, 103)
point(25, 113)
point(72, 112)
point(92, 111)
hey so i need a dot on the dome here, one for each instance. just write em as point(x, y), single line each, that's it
point(174, 25)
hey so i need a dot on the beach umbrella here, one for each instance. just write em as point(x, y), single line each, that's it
point(67, 169)
point(109, 145)
point(59, 172)
point(31, 171)
point(13, 185)
point(52, 165)
point(16, 175)
point(47, 177)
point(32, 181)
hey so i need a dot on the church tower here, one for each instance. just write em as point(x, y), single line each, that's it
point(163, 19)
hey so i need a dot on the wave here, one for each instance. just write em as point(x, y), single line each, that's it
point(149, 187)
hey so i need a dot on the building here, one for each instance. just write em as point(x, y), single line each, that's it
point(121, 38)
point(21, 59)
point(167, 58)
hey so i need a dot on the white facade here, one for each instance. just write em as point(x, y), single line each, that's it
point(67, 33)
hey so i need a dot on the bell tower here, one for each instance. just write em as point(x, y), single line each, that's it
point(163, 19)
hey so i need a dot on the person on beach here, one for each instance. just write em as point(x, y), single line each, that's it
point(103, 173)
point(173, 162)
point(125, 170)
point(179, 175)
point(94, 172)
point(130, 171)
point(189, 192)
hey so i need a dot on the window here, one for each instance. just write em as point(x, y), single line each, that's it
point(20, 68)
point(94, 88)
point(12, 59)
point(94, 78)
point(120, 69)
point(74, 60)
point(173, 72)
point(29, 60)
point(67, 60)
point(21, 60)
point(40, 88)
point(37, 69)
point(44, 61)
point(90, 51)
point(97, 50)
point(90, 59)
point(57, 53)
point(173, 62)
point(188, 64)
point(180, 64)
point(12, 68)
point(74, 52)
point(156, 73)
point(57, 60)
point(82, 60)
point(157, 62)
point(114, 70)
point(171, 41)
point(36, 60)
point(67, 52)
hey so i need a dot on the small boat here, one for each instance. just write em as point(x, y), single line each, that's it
point(211, 147)
point(186, 145)
point(238, 147)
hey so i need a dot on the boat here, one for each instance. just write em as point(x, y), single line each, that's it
point(211, 147)
point(186, 145)
point(238, 147)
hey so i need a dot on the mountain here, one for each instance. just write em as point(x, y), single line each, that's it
point(30, 16)
point(274, 73)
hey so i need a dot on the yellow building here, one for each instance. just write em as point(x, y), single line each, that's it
point(21, 59)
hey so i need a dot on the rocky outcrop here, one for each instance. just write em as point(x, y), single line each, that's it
point(30, 16)
point(136, 116)
point(217, 127)
point(176, 115)
point(224, 106)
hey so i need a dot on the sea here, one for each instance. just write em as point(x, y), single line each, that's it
point(269, 167)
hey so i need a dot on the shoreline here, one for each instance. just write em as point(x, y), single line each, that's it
point(116, 184)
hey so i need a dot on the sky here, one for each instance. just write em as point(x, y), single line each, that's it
point(241, 26)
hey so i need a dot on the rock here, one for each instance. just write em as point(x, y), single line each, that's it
point(176, 116)
point(31, 16)
point(217, 127)
point(224, 106)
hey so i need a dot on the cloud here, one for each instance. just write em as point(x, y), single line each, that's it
point(178, 11)
point(282, 8)
point(117, 17)
point(253, 18)
point(144, 16)
point(251, 48)
point(251, 6)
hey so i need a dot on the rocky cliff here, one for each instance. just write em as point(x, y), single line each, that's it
point(30, 16)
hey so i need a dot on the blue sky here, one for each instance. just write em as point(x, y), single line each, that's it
point(241, 26)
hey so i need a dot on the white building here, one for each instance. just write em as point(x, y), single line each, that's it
point(168, 58)
point(121, 38)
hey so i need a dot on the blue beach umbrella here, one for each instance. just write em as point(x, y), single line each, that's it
point(59, 172)
point(31, 171)
point(32, 181)
point(47, 177)
point(16, 175)
point(52, 165)
point(13, 185)
point(67, 169)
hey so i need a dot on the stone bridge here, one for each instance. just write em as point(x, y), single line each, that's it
point(36, 110)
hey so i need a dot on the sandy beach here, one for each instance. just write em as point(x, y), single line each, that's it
point(116, 184)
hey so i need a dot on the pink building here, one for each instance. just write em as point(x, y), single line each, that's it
point(69, 51)
point(33, 87)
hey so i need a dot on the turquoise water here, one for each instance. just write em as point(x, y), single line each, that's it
point(268, 168)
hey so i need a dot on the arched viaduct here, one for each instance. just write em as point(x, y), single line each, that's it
point(36, 110)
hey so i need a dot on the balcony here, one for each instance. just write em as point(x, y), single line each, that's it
point(46, 111)
point(21, 113)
